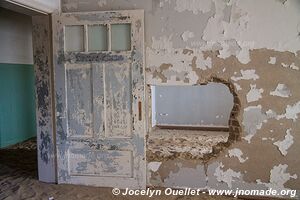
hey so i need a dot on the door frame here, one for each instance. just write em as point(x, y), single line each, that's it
point(45, 105)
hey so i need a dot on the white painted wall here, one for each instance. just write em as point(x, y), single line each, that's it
point(46, 6)
point(202, 105)
point(15, 38)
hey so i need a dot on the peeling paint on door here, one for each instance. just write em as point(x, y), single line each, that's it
point(100, 134)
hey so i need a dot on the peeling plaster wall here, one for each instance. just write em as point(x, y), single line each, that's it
point(238, 41)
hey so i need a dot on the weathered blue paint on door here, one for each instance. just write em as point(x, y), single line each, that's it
point(100, 133)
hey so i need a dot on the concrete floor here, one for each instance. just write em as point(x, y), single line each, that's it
point(18, 180)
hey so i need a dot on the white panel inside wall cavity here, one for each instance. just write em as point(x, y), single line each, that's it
point(202, 105)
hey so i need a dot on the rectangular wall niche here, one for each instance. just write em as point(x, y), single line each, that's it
point(191, 106)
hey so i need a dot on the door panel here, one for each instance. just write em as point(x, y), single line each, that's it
point(101, 163)
point(100, 128)
point(98, 100)
point(79, 100)
point(118, 100)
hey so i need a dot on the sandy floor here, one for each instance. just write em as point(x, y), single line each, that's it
point(18, 180)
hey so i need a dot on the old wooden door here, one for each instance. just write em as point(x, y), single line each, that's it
point(99, 86)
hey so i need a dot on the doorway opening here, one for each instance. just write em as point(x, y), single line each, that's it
point(20, 88)
point(17, 79)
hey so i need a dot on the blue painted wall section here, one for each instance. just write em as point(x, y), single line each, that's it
point(17, 103)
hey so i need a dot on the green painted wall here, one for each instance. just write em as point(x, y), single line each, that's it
point(17, 103)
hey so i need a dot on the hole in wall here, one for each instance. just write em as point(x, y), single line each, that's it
point(192, 122)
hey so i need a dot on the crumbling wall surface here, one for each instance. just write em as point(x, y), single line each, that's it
point(253, 44)
point(165, 144)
